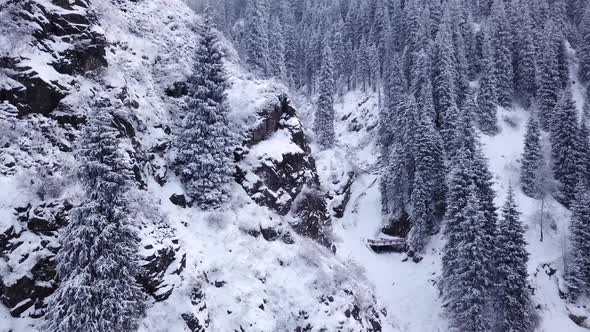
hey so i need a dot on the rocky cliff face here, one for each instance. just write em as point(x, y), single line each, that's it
point(53, 41)
point(276, 169)
point(59, 58)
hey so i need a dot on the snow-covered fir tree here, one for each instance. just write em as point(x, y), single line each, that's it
point(428, 185)
point(565, 159)
point(584, 151)
point(276, 57)
point(205, 142)
point(578, 265)
point(584, 52)
point(532, 159)
point(389, 134)
point(444, 82)
point(395, 184)
point(548, 85)
point(256, 39)
point(97, 263)
point(324, 116)
point(487, 98)
point(466, 279)
point(515, 308)
point(421, 86)
point(502, 43)
point(525, 70)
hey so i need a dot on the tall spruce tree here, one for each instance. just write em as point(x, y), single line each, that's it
point(584, 51)
point(468, 280)
point(256, 37)
point(395, 184)
point(514, 302)
point(502, 44)
point(277, 66)
point(324, 117)
point(421, 85)
point(205, 141)
point(486, 100)
point(445, 74)
point(421, 214)
point(548, 85)
point(460, 181)
point(97, 263)
point(525, 66)
point(584, 151)
point(532, 159)
point(389, 133)
point(429, 177)
point(564, 153)
point(578, 266)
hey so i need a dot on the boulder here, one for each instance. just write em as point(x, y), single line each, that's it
point(179, 200)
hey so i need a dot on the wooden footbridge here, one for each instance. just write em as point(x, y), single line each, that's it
point(387, 243)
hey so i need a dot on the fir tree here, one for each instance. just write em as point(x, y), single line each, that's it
point(487, 118)
point(471, 49)
point(467, 284)
point(584, 151)
point(578, 268)
point(502, 43)
point(421, 214)
point(276, 55)
point(514, 302)
point(256, 37)
point(458, 191)
point(97, 262)
point(564, 152)
point(394, 90)
point(379, 31)
point(324, 118)
point(532, 160)
point(395, 184)
point(482, 178)
point(205, 142)
point(525, 66)
point(428, 187)
point(584, 51)
point(373, 71)
point(548, 85)
point(421, 86)
point(470, 107)
point(445, 96)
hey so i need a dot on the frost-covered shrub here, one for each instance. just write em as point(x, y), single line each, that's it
point(45, 182)
point(217, 220)
point(511, 120)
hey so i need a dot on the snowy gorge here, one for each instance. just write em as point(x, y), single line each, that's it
point(326, 103)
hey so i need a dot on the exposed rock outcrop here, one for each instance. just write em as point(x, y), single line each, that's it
point(64, 43)
point(276, 169)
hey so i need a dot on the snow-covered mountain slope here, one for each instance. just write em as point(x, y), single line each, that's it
point(267, 262)
point(244, 269)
